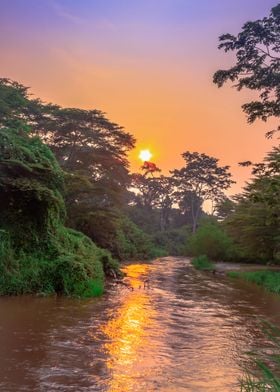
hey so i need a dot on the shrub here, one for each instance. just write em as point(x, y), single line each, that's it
point(212, 241)
point(173, 241)
point(203, 263)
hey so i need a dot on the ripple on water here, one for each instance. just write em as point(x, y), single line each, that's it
point(187, 332)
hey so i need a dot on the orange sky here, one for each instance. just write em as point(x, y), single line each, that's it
point(147, 64)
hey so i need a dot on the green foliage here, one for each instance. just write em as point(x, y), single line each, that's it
point(270, 280)
point(254, 225)
point(173, 241)
point(114, 231)
point(202, 263)
point(268, 364)
point(72, 265)
point(211, 240)
point(38, 254)
point(133, 243)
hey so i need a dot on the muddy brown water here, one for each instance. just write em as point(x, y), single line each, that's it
point(188, 331)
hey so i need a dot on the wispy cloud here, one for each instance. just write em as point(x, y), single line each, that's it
point(64, 13)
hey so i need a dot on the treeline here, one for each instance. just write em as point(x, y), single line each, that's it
point(245, 227)
point(64, 172)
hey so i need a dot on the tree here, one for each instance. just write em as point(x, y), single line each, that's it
point(91, 150)
point(37, 253)
point(201, 179)
point(255, 223)
point(257, 49)
point(224, 208)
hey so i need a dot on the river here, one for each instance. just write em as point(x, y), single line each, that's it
point(187, 331)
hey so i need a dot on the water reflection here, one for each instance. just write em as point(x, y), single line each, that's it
point(187, 332)
point(126, 332)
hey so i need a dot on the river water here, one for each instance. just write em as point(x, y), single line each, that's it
point(187, 331)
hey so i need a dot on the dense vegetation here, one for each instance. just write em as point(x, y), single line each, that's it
point(68, 167)
point(203, 263)
point(37, 253)
point(253, 218)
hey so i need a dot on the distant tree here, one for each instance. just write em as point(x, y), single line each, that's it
point(153, 193)
point(188, 203)
point(201, 179)
point(224, 208)
point(257, 67)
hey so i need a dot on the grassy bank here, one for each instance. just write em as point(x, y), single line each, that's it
point(270, 280)
point(202, 263)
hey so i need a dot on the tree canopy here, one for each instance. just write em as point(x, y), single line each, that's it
point(257, 67)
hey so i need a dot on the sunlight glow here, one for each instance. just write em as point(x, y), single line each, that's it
point(125, 332)
point(145, 155)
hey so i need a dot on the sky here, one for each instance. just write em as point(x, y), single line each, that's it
point(148, 64)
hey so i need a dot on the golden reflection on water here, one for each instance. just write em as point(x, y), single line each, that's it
point(126, 331)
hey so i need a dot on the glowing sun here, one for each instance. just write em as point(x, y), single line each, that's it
point(145, 155)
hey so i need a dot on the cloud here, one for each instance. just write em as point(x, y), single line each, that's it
point(64, 13)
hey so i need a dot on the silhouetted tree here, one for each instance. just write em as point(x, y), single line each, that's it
point(257, 49)
point(201, 179)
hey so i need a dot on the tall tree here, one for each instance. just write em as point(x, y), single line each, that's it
point(257, 49)
point(255, 222)
point(201, 179)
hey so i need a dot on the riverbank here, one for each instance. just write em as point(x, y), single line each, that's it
point(270, 280)
point(257, 274)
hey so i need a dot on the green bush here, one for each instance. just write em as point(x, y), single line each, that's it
point(212, 241)
point(173, 241)
point(114, 231)
point(203, 263)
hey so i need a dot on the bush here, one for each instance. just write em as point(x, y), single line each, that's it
point(203, 263)
point(212, 241)
point(114, 231)
point(77, 269)
point(173, 241)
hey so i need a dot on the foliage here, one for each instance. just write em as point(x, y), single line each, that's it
point(255, 223)
point(114, 231)
point(268, 364)
point(87, 144)
point(224, 208)
point(257, 67)
point(270, 280)
point(173, 240)
point(38, 254)
point(134, 244)
point(202, 263)
point(91, 150)
point(202, 179)
point(211, 240)
point(153, 193)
